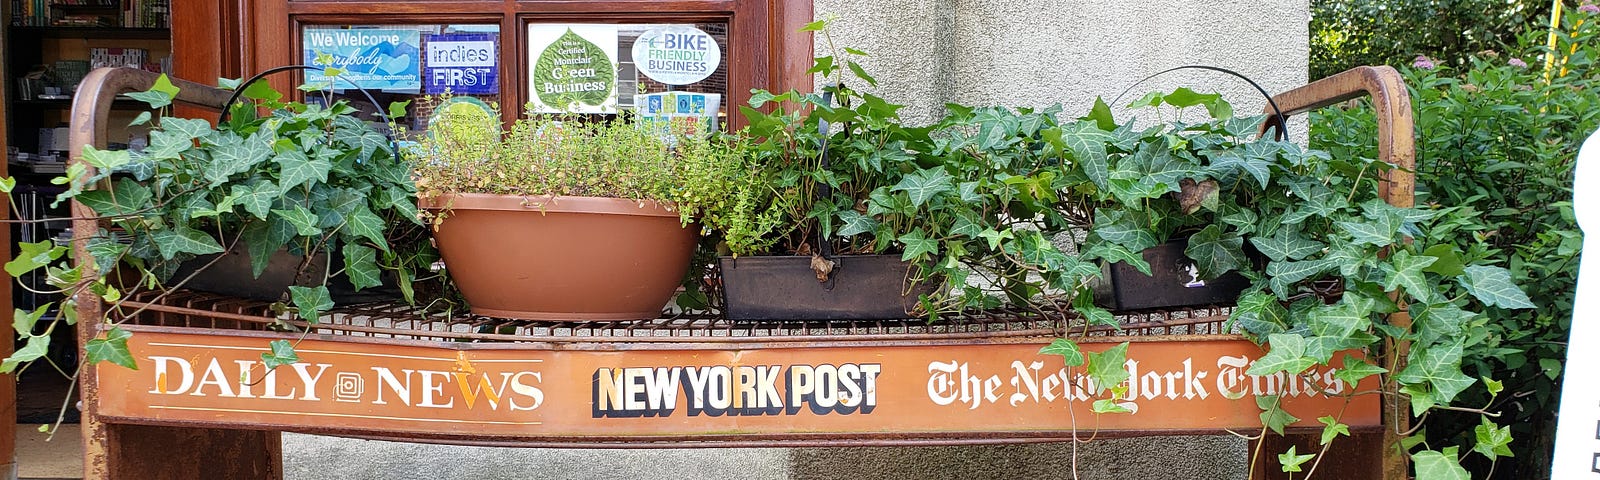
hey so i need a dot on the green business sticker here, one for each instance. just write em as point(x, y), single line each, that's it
point(574, 71)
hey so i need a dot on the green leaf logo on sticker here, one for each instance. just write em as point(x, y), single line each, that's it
point(572, 71)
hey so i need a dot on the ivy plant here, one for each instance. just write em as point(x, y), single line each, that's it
point(1332, 264)
point(313, 179)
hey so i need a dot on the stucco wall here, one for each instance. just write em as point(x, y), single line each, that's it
point(926, 53)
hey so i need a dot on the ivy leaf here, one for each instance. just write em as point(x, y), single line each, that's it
point(1492, 286)
point(1286, 244)
point(22, 322)
point(1243, 220)
point(1356, 369)
point(925, 184)
point(1406, 270)
point(1339, 320)
point(861, 72)
point(1260, 314)
point(1432, 465)
point(1093, 315)
point(1379, 232)
point(968, 191)
point(1234, 160)
point(1332, 428)
point(1124, 228)
point(33, 256)
point(1285, 274)
point(256, 198)
point(127, 198)
point(917, 245)
point(1272, 414)
point(111, 348)
point(38, 346)
point(263, 239)
point(365, 224)
point(1216, 253)
point(1087, 143)
point(152, 98)
point(856, 223)
point(1494, 441)
point(1286, 352)
point(1113, 253)
point(1107, 368)
point(299, 170)
point(995, 237)
point(1100, 114)
point(181, 239)
point(311, 301)
point(1493, 386)
point(1449, 263)
point(105, 160)
point(1067, 349)
point(282, 354)
point(190, 128)
point(361, 266)
point(230, 160)
point(1106, 405)
point(304, 222)
point(1439, 367)
point(1291, 462)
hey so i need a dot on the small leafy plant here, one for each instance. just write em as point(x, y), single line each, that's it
point(569, 155)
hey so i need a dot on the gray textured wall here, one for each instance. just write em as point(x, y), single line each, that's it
point(926, 53)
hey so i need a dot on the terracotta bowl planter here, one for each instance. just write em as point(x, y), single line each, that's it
point(562, 258)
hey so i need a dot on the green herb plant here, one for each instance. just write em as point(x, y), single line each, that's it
point(463, 151)
point(314, 179)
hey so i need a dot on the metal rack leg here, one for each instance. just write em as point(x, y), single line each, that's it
point(147, 452)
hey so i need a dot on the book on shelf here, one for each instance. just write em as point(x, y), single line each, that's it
point(91, 13)
point(117, 57)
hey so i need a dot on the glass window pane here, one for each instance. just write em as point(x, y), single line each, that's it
point(660, 70)
point(398, 63)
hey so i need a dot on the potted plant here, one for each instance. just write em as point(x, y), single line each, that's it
point(275, 179)
point(565, 218)
point(964, 211)
point(1344, 280)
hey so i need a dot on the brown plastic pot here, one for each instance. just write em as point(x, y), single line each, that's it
point(562, 258)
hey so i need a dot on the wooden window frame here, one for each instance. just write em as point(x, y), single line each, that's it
point(221, 38)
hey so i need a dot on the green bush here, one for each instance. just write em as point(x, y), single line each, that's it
point(1351, 33)
point(1496, 145)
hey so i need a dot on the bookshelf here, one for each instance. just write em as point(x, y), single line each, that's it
point(49, 46)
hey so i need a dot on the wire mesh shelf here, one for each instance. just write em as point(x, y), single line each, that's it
point(183, 308)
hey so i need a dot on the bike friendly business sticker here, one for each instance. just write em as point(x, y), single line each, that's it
point(676, 54)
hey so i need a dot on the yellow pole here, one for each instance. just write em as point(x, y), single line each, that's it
point(1555, 23)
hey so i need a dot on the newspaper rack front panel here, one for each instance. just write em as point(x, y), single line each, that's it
point(511, 392)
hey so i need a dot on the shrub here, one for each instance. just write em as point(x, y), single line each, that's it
point(1496, 144)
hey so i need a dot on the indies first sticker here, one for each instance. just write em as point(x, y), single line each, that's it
point(463, 63)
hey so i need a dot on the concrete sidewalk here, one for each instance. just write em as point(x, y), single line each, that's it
point(308, 457)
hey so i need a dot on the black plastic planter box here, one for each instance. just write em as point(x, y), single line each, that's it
point(862, 287)
point(1170, 283)
point(231, 275)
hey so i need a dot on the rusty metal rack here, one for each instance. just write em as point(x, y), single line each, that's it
point(143, 424)
point(184, 308)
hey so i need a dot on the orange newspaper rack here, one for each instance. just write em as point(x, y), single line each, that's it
point(200, 403)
